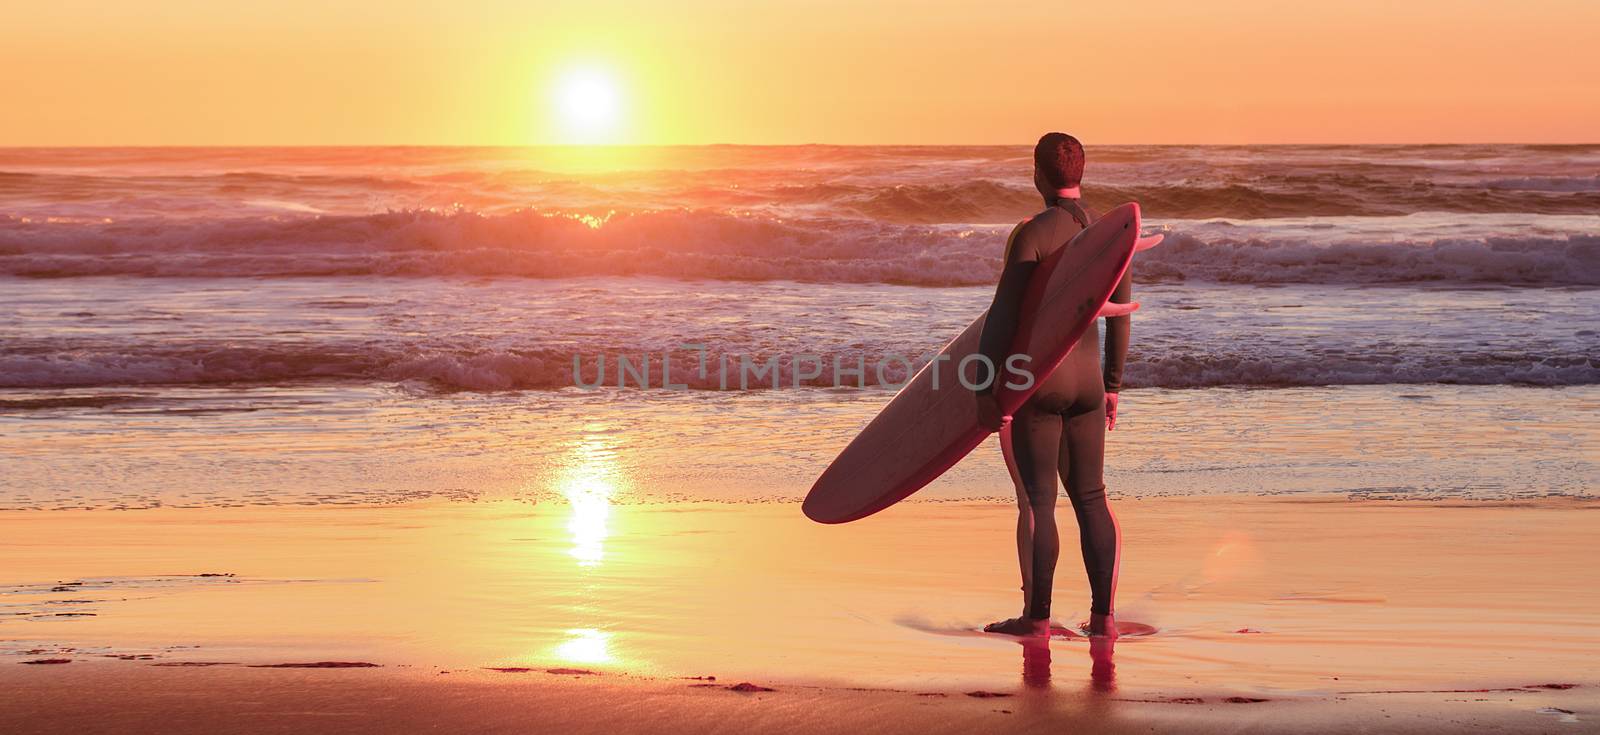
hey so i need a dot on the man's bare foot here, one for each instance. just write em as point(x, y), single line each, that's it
point(1102, 625)
point(1027, 627)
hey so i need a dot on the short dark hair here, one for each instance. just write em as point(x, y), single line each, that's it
point(1059, 157)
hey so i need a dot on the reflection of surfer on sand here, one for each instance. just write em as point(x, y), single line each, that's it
point(1060, 430)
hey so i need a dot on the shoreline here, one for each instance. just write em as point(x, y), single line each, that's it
point(122, 696)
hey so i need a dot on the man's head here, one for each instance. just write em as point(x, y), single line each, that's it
point(1057, 164)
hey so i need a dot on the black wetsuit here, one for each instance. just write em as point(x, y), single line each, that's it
point(1061, 429)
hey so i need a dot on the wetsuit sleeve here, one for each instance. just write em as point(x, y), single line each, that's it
point(1000, 327)
point(1117, 331)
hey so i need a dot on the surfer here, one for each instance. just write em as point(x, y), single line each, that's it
point(1061, 429)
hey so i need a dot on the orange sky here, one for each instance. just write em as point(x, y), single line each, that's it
point(172, 72)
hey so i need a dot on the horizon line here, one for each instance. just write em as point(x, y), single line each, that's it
point(7, 146)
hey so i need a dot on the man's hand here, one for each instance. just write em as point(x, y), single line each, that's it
point(1113, 310)
point(989, 416)
point(1111, 411)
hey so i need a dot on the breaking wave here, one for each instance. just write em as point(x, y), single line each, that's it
point(1511, 250)
point(553, 369)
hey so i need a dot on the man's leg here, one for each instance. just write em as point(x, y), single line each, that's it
point(1024, 516)
point(1035, 441)
point(1083, 445)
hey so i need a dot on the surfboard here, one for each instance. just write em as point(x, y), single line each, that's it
point(932, 422)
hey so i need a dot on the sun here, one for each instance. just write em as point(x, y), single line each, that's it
point(588, 104)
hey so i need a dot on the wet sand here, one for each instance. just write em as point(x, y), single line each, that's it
point(1319, 614)
point(103, 699)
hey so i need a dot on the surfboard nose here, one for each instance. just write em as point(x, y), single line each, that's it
point(811, 511)
point(814, 503)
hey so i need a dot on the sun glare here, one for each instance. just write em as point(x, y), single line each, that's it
point(585, 646)
point(589, 486)
point(588, 105)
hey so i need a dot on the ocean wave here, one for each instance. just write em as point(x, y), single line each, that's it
point(487, 370)
point(1547, 183)
point(440, 368)
point(1204, 371)
point(681, 244)
point(980, 200)
point(1565, 260)
point(1339, 194)
point(1260, 196)
point(908, 192)
point(698, 244)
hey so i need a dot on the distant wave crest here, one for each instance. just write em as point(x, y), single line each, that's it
point(727, 246)
point(918, 196)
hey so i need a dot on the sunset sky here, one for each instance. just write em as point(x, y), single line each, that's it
point(503, 72)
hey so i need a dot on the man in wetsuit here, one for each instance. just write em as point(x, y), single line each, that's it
point(1061, 429)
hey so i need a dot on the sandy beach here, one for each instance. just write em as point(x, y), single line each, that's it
point(1322, 613)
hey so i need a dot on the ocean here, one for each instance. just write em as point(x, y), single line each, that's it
point(200, 327)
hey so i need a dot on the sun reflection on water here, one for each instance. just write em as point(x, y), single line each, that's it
point(591, 507)
point(589, 486)
point(585, 646)
point(591, 480)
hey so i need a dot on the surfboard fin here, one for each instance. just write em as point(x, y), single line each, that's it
point(1145, 243)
